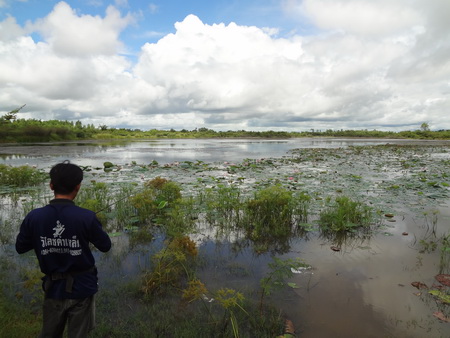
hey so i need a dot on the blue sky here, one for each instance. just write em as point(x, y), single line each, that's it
point(226, 65)
point(156, 19)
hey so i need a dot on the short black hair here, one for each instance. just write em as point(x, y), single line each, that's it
point(65, 177)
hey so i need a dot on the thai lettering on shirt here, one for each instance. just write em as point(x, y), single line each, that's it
point(59, 244)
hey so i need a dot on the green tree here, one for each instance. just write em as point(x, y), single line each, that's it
point(425, 126)
point(12, 115)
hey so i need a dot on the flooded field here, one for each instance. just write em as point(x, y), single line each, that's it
point(379, 281)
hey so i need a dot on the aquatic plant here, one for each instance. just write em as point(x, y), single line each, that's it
point(269, 213)
point(154, 200)
point(121, 213)
point(230, 300)
point(279, 271)
point(444, 261)
point(195, 290)
point(96, 197)
point(171, 266)
point(108, 165)
point(223, 205)
point(144, 204)
point(142, 235)
point(180, 217)
point(343, 214)
point(301, 208)
point(22, 176)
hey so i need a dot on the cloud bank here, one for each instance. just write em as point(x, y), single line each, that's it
point(368, 64)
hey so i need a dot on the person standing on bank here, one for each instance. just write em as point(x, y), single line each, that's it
point(60, 233)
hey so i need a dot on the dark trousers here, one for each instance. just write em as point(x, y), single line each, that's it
point(79, 314)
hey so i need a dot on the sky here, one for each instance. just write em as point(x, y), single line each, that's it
point(291, 65)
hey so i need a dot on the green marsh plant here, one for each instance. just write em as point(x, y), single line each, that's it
point(444, 262)
point(223, 205)
point(269, 213)
point(180, 217)
point(22, 176)
point(172, 266)
point(301, 209)
point(345, 215)
point(155, 199)
point(231, 300)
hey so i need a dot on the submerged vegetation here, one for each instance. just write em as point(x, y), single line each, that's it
point(163, 277)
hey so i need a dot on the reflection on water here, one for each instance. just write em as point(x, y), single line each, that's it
point(361, 290)
point(164, 151)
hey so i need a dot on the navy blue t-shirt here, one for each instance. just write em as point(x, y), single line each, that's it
point(59, 234)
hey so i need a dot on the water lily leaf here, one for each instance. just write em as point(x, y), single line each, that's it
point(439, 315)
point(443, 279)
point(419, 285)
point(442, 296)
point(115, 234)
point(293, 285)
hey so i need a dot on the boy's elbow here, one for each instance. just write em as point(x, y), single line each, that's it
point(105, 247)
point(21, 249)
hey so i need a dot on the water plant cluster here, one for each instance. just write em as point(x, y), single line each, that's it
point(19, 177)
point(165, 216)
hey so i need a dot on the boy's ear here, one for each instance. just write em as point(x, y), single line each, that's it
point(51, 186)
point(78, 187)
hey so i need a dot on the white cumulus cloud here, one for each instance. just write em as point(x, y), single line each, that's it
point(74, 35)
point(374, 64)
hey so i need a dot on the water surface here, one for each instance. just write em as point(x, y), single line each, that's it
point(364, 290)
point(94, 153)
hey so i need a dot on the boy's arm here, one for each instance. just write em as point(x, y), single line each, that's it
point(100, 238)
point(24, 241)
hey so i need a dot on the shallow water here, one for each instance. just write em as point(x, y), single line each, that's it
point(365, 289)
point(95, 153)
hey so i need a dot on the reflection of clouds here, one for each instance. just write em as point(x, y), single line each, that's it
point(360, 288)
point(166, 151)
point(205, 232)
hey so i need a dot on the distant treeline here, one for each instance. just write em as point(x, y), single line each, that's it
point(32, 130)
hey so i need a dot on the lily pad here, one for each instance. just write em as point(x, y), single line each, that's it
point(439, 315)
point(443, 279)
point(442, 296)
point(419, 285)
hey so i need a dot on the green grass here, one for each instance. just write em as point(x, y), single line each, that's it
point(17, 320)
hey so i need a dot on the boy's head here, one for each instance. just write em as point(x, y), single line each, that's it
point(64, 177)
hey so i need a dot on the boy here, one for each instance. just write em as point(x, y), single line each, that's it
point(60, 234)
